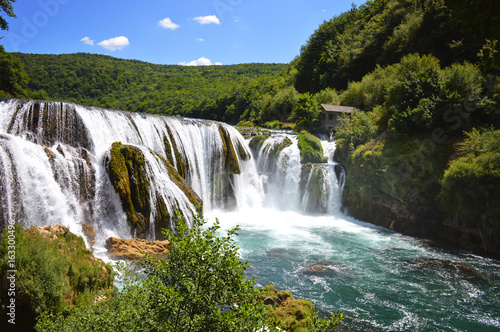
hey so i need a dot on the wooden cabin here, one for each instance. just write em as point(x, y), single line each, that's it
point(329, 115)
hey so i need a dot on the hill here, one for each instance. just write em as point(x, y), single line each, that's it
point(131, 85)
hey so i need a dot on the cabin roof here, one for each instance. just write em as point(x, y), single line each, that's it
point(337, 109)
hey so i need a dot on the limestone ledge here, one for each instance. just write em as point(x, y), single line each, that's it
point(134, 249)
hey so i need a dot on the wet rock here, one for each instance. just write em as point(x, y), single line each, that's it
point(134, 249)
point(461, 269)
point(89, 233)
point(127, 171)
point(322, 268)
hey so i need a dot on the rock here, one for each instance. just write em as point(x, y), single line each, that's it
point(133, 249)
point(127, 170)
point(322, 268)
point(460, 269)
point(89, 233)
point(53, 231)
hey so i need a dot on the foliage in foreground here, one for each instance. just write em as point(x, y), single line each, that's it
point(53, 272)
point(199, 287)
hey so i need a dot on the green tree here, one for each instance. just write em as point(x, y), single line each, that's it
point(306, 113)
point(13, 77)
point(204, 279)
point(7, 9)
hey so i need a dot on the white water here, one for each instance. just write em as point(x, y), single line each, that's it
point(379, 279)
point(74, 188)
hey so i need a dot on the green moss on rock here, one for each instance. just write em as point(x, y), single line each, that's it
point(257, 142)
point(287, 312)
point(311, 150)
point(127, 171)
point(177, 158)
point(231, 160)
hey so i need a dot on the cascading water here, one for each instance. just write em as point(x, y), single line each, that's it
point(55, 168)
point(55, 157)
point(297, 238)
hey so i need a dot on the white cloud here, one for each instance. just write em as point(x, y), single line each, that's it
point(200, 62)
point(87, 40)
point(113, 44)
point(210, 19)
point(167, 23)
point(200, 39)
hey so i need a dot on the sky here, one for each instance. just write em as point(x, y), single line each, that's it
point(189, 32)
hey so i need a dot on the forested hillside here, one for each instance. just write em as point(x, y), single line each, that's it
point(99, 80)
point(421, 151)
point(381, 32)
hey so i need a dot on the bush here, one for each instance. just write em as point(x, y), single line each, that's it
point(246, 123)
point(273, 124)
point(52, 273)
point(355, 129)
point(470, 184)
point(416, 95)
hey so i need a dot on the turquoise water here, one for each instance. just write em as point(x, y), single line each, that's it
point(380, 280)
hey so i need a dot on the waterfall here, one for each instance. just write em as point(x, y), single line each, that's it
point(312, 188)
point(55, 166)
point(126, 174)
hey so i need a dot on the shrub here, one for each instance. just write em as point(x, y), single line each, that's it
point(52, 273)
point(273, 124)
point(470, 184)
point(246, 123)
point(355, 129)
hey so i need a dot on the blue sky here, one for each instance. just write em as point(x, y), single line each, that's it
point(170, 31)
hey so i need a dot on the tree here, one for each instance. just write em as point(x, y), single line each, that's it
point(6, 7)
point(306, 112)
point(13, 77)
point(204, 282)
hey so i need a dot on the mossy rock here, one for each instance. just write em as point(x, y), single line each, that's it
point(174, 156)
point(289, 313)
point(460, 269)
point(127, 172)
point(178, 180)
point(311, 150)
point(257, 142)
point(231, 160)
